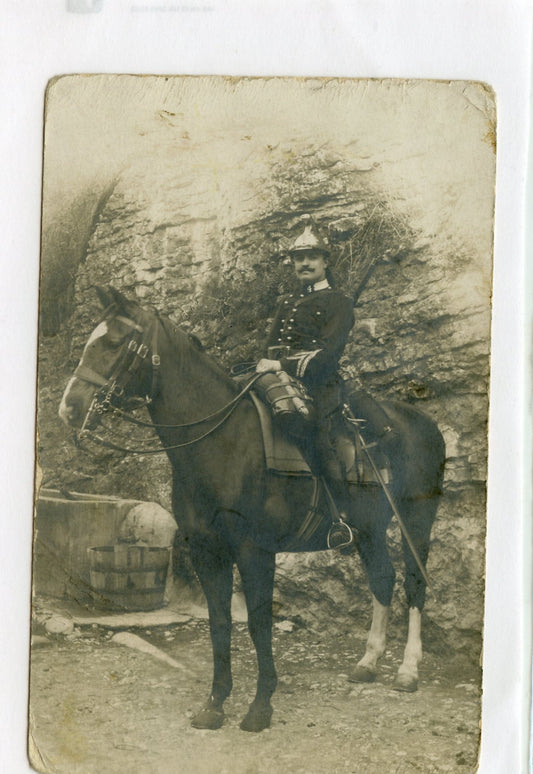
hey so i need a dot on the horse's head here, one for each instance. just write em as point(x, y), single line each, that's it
point(114, 363)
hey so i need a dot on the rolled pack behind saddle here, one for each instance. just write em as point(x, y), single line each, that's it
point(287, 418)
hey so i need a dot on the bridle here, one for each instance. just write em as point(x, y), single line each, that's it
point(132, 358)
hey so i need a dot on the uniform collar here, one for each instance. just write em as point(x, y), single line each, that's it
point(321, 285)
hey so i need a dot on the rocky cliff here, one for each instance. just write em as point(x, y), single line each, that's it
point(198, 228)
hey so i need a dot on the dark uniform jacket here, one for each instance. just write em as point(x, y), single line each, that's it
point(311, 329)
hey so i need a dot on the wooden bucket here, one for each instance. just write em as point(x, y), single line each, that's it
point(128, 577)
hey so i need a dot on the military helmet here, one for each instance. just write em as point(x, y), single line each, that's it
point(309, 239)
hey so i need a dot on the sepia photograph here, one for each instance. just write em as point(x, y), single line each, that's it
point(262, 425)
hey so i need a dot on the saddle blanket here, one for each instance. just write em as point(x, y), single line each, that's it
point(281, 455)
point(284, 457)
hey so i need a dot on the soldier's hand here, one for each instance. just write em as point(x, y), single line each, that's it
point(265, 365)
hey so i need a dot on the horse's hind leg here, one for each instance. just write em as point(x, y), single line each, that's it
point(366, 669)
point(257, 572)
point(375, 557)
point(407, 677)
point(419, 517)
point(213, 563)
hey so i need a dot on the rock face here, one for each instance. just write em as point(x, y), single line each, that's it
point(199, 230)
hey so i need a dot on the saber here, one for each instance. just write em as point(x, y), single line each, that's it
point(392, 504)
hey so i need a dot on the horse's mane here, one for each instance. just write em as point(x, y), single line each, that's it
point(185, 343)
point(171, 329)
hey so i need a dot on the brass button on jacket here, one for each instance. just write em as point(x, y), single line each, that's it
point(320, 322)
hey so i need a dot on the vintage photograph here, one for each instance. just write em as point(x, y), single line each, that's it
point(263, 378)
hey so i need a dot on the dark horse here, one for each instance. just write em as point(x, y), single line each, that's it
point(230, 509)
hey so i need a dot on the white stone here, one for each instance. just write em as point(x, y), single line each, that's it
point(149, 523)
point(57, 624)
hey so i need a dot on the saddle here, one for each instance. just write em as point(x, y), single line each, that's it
point(278, 400)
point(283, 457)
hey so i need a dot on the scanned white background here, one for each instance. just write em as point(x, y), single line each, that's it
point(487, 40)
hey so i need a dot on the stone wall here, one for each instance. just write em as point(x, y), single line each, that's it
point(421, 333)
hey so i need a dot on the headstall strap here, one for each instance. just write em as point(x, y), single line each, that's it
point(111, 386)
point(156, 362)
point(127, 321)
point(87, 374)
point(140, 351)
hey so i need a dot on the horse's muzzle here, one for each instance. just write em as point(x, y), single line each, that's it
point(75, 404)
point(71, 414)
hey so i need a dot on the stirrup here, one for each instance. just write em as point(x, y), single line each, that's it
point(340, 535)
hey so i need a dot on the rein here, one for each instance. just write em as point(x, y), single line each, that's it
point(135, 421)
point(113, 388)
point(232, 405)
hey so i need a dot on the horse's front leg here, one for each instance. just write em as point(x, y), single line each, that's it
point(257, 572)
point(213, 563)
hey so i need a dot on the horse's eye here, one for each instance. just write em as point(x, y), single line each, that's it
point(113, 342)
point(106, 342)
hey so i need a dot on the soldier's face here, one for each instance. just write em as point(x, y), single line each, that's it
point(310, 266)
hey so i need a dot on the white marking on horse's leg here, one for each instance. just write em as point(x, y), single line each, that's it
point(413, 650)
point(377, 636)
point(407, 679)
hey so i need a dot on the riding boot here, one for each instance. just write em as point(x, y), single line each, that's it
point(338, 487)
point(340, 535)
point(377, 429)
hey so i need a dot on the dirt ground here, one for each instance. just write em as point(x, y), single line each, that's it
point(98, 707)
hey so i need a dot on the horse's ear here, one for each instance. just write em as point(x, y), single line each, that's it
point(104, 296)
point(119, 299)
point(109, 296)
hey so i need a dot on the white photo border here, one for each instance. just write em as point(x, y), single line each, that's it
point(484, 40)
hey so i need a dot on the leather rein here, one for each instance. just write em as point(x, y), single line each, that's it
point(130, 361)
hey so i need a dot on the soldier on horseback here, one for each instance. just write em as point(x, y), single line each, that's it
point(306, 340)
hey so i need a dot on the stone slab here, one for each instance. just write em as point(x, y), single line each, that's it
point(143, 620)
point(83, 617)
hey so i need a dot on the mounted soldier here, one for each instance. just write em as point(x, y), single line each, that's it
point(306, 340)
point(229, 507)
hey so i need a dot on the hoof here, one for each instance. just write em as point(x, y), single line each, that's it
point(362, 674)
point(256, 719)
point(208, 718)
point(405, 683)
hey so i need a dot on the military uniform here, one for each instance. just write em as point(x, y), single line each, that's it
point(309, 333)
point(308, 336)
